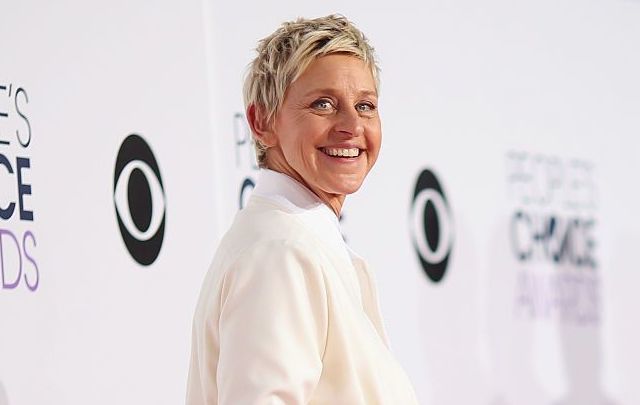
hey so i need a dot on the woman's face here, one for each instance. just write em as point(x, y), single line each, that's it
point(327, 133)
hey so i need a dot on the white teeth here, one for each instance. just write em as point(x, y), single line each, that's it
point(342, 152)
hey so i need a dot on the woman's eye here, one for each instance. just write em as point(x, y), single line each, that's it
point(322, 104)
point(365, 107)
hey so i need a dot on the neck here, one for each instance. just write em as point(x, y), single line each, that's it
point(333, 201)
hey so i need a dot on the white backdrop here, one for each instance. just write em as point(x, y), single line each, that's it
point(527, 113)
point(100, 328)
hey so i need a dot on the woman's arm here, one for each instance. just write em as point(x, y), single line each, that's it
point(272, 327)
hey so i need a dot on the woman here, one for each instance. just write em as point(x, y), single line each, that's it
point(288, 314)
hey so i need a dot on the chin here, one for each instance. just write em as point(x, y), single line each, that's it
point(347, 187)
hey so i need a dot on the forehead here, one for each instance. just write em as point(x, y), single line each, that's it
point(335, 72)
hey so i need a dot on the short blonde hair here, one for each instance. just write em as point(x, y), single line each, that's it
point(284, 55)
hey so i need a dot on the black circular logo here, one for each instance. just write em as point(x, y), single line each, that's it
point(139, 199)
point(245, 191)
point(431, 226)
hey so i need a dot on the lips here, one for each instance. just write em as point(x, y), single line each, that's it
point(341, 152)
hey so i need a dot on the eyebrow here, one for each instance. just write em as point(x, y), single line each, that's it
point(329, 90)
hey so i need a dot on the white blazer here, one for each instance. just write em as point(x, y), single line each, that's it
point(287, 314)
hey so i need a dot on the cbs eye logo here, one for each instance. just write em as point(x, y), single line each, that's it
point(139, 200)
point(431, 226)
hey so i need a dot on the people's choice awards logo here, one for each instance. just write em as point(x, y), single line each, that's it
point(18, 246)
point(139, 200)
point(554, 236)
point(431, 226)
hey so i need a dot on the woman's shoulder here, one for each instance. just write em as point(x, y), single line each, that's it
point(265, 224)
point(265, 249)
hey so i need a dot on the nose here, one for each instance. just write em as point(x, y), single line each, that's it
point(349, 123)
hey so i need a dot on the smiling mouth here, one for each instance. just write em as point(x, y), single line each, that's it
point(341, 152)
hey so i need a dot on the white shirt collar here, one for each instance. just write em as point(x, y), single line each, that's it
point(293, 196)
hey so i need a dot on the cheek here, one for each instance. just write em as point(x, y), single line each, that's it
point(375, 141)
point(300, 149)
point(314, 134)
point(292, 143)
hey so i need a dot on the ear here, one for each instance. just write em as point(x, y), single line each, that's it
point(260, 127)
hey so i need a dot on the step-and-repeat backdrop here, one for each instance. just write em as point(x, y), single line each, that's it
point(501, 219)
